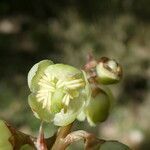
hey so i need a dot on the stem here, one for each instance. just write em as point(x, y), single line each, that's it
point(62, 133)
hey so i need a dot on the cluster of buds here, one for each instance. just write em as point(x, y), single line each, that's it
point(100, 73)
point(61, 93)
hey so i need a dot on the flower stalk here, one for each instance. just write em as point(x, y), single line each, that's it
point(61, 135)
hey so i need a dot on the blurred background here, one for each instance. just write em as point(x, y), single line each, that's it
point(65, 31)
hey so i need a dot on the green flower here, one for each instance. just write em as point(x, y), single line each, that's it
point(59, 92)
point(108, 71)
point(5, 135)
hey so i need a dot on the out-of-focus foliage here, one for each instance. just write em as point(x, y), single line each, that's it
point(65, 31)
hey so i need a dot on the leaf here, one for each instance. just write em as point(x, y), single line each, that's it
point(113, 145)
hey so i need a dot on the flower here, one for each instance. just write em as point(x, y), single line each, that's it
point(5, 136)
point(108, 71)
point(59, 92)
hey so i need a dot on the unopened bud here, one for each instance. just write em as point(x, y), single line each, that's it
point(108, 71)
point(98, 109)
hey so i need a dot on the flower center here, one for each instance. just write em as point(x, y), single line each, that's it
point(49, 84)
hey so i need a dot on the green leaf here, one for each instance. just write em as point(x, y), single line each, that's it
point(113, 145)
point(5, 134)
point(27, 147)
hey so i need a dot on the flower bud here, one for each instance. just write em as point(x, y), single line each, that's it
point(113, 145)
point(108, 71)
point(98, 109)
point(5, 135)
point(59, 92)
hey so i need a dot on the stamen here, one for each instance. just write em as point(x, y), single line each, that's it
point(60, 84)
point(44, 90)
point(74, 86)
point(64, 99)
point(44, 103)
point(47, 82)
point(39, 99)
point(73, 81)
point(45, 77)
point(67, 100)
point(49, 87)
point(49, 100)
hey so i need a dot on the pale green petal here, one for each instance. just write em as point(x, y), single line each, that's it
point(88, 90)
point(40, 112)
point(5, 134)
point(36, 72)
point(56, 102)
point(81, 116)
point(113, 145)
point(63, 72)
point(64, 118)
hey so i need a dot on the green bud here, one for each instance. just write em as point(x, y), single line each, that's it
point(98, 109)
point(5, 135)
point(113, 145)
point(59, 92)
point(108, 71)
